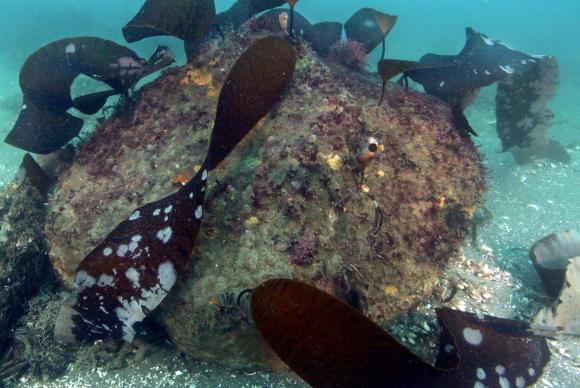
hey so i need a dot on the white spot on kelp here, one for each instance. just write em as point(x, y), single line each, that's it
point(167, 275)
point(133, 275)
point(122, 250)
point(507, 69)
point(165, 234)
point(531, 371)
point(70, 48)
point(105, 280)
point(472, 336)
point(84, 280)
point(198, 212)
point(487, 41)
point(504, 382)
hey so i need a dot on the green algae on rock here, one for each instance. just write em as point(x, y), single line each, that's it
point(293, 199)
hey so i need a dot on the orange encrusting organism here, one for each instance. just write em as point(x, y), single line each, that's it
point(181, 179)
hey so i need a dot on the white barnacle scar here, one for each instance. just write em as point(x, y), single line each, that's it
point(472, 336)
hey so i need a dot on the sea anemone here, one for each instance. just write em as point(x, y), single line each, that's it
point(349, 53)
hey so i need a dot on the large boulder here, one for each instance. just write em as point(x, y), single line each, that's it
point(366, 202)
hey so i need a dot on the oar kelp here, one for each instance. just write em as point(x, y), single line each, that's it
point(132, 270)
point(526, 83)
point(323, 35)
point(481, 62)
point(242, 10)
point(389, 68)
point(185, 19)
point(370, 27)
point(34, 174)
point(563, 316)
point(46, 77)
point(257, 6)
point(330, 344)
point(189, 20)
point(550, 256)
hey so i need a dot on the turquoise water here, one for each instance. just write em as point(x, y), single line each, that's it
point(527, 202)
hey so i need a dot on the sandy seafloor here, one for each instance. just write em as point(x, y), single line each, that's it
point(527, 203)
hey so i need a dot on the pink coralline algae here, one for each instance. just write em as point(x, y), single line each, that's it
point(303, 250)
point(349, 53)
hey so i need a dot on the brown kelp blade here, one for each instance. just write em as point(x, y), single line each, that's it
point(323, 35)
point(327, 342)
point(562, 318)
point(460, 121)
point(481, 62)
point(35, 174)
point(389, 68)
point(480, 350)
point(101, 59)
point(242, 10)
point(47, 98)
point(254, 85)
point(257, 6)
point(34, 124)
point(161, 57)
point(385, 21)
point(330, 344)
point(550, 256)
point(91, 103)
point(189, 20)
point(133, 269)
point(369, 26)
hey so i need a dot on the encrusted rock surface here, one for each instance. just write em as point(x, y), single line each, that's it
point(24, 263)
point(292, 200)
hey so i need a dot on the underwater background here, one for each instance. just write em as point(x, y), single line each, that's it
point(527, 201)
